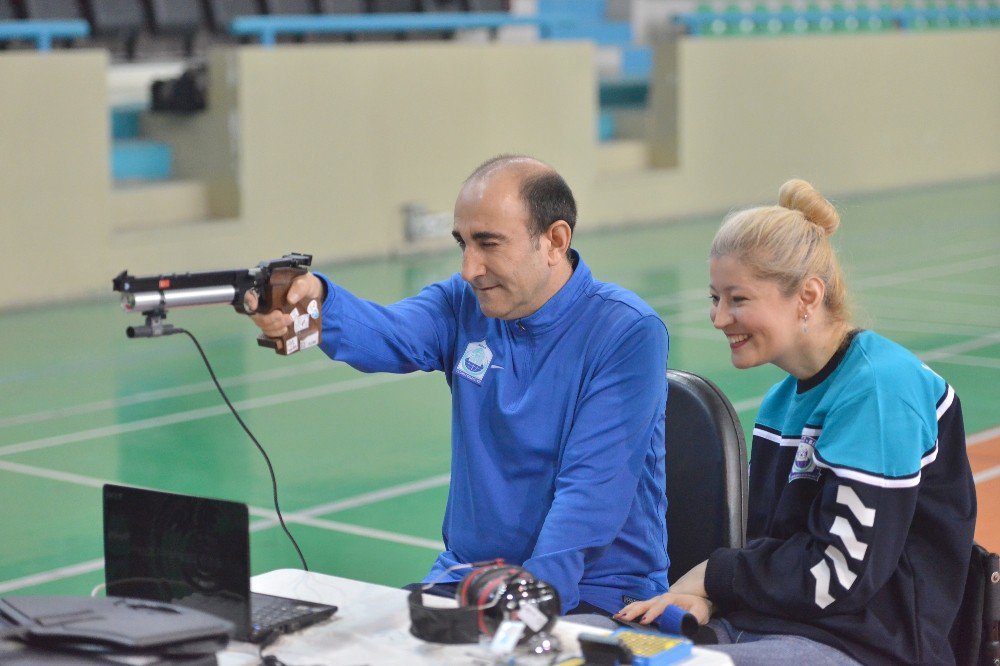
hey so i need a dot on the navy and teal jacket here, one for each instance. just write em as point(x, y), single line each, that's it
point(557, 427)
point(862, 511)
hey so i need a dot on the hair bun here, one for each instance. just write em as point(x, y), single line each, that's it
point(799, 195)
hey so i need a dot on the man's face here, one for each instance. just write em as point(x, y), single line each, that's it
point(509, 270)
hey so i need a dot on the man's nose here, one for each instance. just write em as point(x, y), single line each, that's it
point(472, 265)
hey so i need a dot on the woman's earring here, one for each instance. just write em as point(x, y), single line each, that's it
point(805, 323)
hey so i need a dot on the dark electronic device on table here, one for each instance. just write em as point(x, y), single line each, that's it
point(194, 552)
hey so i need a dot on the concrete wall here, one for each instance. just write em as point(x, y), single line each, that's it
point(317, 148)
point(733, 118)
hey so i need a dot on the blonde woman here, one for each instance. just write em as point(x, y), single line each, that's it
point(862, 503)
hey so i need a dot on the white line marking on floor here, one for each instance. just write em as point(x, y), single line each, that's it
point(295, 370)
point(51, 575)
point(984, 436)
point(204, 413)
point(987, 475)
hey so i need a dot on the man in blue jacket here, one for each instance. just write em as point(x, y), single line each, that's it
point(558, 392)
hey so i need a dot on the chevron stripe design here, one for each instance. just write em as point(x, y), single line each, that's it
point(821, 572)
point(843, 529)
point(850, 499)
point(844, 574)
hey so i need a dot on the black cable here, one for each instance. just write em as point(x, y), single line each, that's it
point(274, 481)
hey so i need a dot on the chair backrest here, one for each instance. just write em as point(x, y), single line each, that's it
point(176, 16)
point(43, 10)
point(342, 7)
point(289, 7)
point(394, 6)
point(706, 460)
point(975, 635)
point(222, 12)
point(8, 12)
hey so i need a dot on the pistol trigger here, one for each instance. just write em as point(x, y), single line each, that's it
point(247, 300)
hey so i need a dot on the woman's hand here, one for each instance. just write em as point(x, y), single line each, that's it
point(693, 582)
point(645, 612)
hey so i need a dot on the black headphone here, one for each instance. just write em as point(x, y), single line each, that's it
point(487, 596)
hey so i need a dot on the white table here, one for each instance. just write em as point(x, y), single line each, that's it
point(372, 629)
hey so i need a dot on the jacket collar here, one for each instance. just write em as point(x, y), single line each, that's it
point(556, 308)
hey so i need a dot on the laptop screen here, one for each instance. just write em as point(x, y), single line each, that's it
point(192, 551)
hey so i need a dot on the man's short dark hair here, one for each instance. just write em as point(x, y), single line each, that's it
point(545, 194)
point(548, 199)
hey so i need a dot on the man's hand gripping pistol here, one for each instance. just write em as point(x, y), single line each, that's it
point(252, 291)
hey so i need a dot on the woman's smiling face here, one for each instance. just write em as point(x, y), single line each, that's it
point(761, 324)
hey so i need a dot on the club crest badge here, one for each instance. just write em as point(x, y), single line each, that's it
point(475, 362)
point(804, 465)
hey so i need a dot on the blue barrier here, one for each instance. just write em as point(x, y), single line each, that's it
point(43, 32)
point(267, 28)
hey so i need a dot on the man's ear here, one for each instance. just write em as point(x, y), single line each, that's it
point(559, 235)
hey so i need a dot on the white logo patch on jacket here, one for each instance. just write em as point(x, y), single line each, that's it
point(475, 362)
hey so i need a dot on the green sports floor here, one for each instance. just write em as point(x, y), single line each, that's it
point(362, 460)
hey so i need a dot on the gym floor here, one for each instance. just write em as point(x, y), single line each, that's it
point(362, 460)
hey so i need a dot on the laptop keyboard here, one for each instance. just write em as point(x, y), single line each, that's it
point(269, 612)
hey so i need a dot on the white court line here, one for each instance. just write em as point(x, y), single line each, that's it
point(691, 316)
point(924, 326)
point(987, 475)
point(974, 361)
point(304, 517)
point(203, 413)
point(51, 575)
point(166, 393)
point(927, 272)
point(984, 436)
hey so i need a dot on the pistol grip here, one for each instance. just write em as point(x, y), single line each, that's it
point(306, 326)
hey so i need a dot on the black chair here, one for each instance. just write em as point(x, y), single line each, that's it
point(51, 10)
point(489, 6)
point(117, 23)
point(55, 10)
point(8, 12)
point(222, 12)
point(443, 5)
point(289, 7)
point(178, 18)
point(342, 7)
point(707, 473)
point(975, 635)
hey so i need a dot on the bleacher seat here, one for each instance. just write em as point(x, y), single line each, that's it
point(51, 10)
point(394, 6)
point(54, 10)
point(289, 7)
point(117, 23)
point(342, 6)
point(8, 12)
point(178, 18)
point(222, 12)
point(442, 5)
point(403, 7)
point(489, 6)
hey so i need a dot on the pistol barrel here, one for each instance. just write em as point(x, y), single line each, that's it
point(145, 301)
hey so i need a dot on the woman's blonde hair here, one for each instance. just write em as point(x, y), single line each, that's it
point(788, 243)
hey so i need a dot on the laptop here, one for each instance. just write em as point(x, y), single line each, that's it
point(194, 552)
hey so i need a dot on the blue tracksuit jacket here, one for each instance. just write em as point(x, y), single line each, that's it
point(557, 427)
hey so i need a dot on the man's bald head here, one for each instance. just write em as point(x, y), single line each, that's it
point(543, 191)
